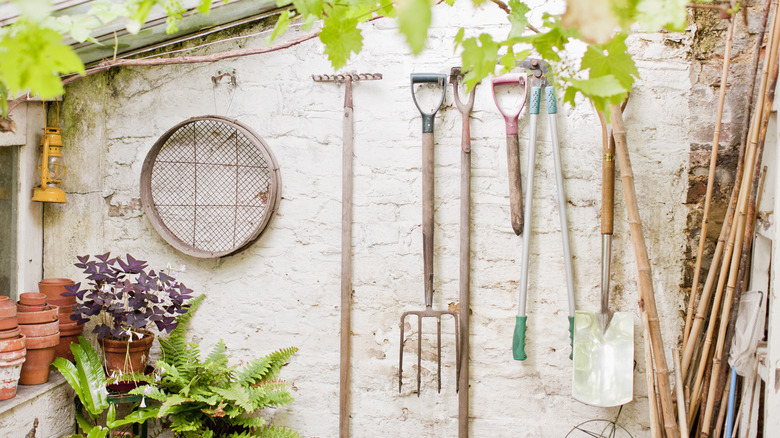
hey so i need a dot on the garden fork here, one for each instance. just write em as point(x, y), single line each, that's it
point(427, 227)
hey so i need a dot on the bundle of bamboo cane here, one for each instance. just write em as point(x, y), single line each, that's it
point(702, 369)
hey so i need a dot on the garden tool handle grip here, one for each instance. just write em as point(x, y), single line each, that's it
point(427, 215)
point(515, 184)
point(441, 79)
point(518, 340)
point(571, 336)
point(608, 192)
point(511, 118)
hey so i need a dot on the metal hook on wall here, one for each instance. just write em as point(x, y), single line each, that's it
point(216, 79)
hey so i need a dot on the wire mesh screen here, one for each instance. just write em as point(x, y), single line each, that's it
point(211, 185)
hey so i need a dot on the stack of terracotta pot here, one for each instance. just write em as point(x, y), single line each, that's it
point(39, 322)
point(70, 330)
point(12, 349)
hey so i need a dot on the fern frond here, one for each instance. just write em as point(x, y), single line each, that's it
point(249, 422)
point(276, 432)
point(255, 371)
point(218, 355)
point(237, 394)
point(278, 360)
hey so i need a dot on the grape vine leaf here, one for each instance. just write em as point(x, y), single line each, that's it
point(479, 57)
point(341, 38)
point(414, 19)
point(656, 14)
point(611, 59)
point(34, 57)
point(517, 18)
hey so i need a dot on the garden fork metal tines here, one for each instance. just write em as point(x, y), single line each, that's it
point(427, 226)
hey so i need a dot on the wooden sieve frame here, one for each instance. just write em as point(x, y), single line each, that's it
point(150, 209)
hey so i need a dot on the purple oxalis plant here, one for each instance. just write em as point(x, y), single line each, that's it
point(126, 297)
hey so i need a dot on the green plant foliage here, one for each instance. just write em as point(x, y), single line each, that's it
point(88, 380)
point(210, 398)
point(32, 55)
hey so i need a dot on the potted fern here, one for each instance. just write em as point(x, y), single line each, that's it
point(127, 300)
point(209, 398)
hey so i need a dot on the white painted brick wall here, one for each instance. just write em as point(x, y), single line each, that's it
point(284, 290)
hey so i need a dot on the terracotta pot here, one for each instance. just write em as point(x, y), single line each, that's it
point(9, 377)
point(8, 323)
point(13, 344)
point(35, 369)
point(25, 308)
point(126, 358)
point(12, 355)
point(65, 318)
point(38, 342)
point(6, 302)
point(7, 312)
point(53, 287)
point(66, 302)
point(68, 335)
point(49, 314)
point(32, 299)
point(37, 330)
point(10, 333)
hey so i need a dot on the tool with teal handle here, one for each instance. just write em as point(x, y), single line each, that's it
point(427, 227)
point(539, 82)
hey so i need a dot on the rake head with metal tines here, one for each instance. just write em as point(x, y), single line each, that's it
point(428, 313)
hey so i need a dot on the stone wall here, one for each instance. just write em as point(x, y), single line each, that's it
point(284, 289)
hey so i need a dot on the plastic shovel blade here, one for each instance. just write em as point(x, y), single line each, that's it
point(603, 360)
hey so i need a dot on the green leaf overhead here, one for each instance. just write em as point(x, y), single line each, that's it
point(517, 18)
point(32, 57)
point(341, 38)
point(611, 59)
point(414, 19)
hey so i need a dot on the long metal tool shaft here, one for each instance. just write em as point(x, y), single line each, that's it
point(346, 239)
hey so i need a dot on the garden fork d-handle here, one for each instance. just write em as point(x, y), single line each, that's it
point(427, 178)
point(435, 78)
point(513, 147)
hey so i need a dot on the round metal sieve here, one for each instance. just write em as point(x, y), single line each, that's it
point(210, 186)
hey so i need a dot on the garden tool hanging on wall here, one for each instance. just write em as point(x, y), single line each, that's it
point(603, 342)
point(513, 146)
point(346, 238)
point(456, 78)
point(440, 81)
point(538, 69)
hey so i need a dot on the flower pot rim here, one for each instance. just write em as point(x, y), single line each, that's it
point(42, 342)
point(32, 298)
point(48, 314)
point(13, 344)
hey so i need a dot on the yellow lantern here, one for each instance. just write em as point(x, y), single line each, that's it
point(51, 168)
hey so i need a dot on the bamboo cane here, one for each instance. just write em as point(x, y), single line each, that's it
point(718, 429)
point(652, 404)
point(700, 390)
point(756, 124)
point(710, 179)
point(747, 237)
point(688, 350)
point(644, 273)
point(681, 414)
point(713, 321)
